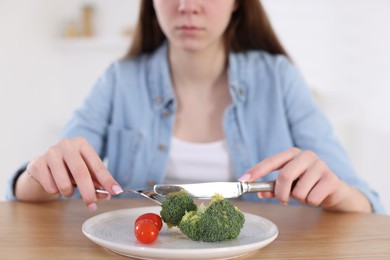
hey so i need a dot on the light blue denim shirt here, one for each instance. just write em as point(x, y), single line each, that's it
point(128, 118)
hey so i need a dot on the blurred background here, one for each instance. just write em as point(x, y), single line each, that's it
point(52, 51)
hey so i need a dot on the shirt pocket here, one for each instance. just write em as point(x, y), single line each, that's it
point(122, 147)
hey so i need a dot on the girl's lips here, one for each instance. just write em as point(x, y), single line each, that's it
point(189, 29)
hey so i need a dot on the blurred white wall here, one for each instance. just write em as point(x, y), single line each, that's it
point(341, 47)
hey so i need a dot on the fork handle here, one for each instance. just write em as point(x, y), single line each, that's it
point(101, 191)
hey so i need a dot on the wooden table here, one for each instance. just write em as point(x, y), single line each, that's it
point(53, 231)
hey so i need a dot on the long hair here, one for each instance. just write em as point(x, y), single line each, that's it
point(249, 29)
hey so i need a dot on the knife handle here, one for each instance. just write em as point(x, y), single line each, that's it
point(265, 186)
point(260, 186)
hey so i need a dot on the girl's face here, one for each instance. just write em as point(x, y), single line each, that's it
point(194, 25)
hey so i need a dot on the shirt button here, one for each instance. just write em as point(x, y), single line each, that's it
point(158, 100)
point(166, 113)
point(162, 147)
point(151, 183)
point(241, 91)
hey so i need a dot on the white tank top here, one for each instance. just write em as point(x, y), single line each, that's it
point(198, 162)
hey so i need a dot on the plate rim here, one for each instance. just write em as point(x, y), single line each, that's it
point(153, 253)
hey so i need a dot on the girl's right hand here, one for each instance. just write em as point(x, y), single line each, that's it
point(73, 163)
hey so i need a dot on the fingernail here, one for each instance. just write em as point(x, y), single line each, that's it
point(92, 207)
point(244, 177)
point(117, 189)
point(108, 197)
point(260, 195)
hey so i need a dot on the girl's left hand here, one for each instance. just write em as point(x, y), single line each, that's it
point(316, 184)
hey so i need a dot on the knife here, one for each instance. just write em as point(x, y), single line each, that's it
point(226, 189)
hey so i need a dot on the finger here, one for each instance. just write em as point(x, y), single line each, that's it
point(59, 172)
point(81, 175)
point(99, 170)
point(308, 180)
point(270, 164)
point(103, 196)
point(325, 187)
point(39, 171)
point(100, 195)
point(96, 184)
point(265, 194)
point(292, 171)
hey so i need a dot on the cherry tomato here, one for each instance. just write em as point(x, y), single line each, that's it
point(153, 217)
point(145, 231)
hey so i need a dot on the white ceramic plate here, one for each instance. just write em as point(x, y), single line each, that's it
point(114, 230)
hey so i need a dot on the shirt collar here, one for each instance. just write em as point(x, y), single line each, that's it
point(237, 75)
point(159, 78)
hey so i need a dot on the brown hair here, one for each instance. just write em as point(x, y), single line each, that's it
point(249, 29)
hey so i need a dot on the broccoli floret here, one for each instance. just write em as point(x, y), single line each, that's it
point(175, 206)
point(189, 223)
point(218, 221)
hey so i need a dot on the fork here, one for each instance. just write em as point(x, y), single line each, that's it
point(149, 194)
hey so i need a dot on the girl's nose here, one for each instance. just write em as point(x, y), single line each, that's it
point(188, 6)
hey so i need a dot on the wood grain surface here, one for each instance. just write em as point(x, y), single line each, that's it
point(53, 231)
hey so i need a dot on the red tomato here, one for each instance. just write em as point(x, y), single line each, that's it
point(153, 217)
point(145, 231)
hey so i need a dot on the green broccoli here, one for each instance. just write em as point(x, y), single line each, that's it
point(175, 206)
point(189, 222)
point(218, 221)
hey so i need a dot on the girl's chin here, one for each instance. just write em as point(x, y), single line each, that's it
point(191, 46)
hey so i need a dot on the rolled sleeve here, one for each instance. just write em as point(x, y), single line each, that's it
point(372, 196)
point(10, 188)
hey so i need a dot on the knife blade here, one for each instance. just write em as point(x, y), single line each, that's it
point(206, 190)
